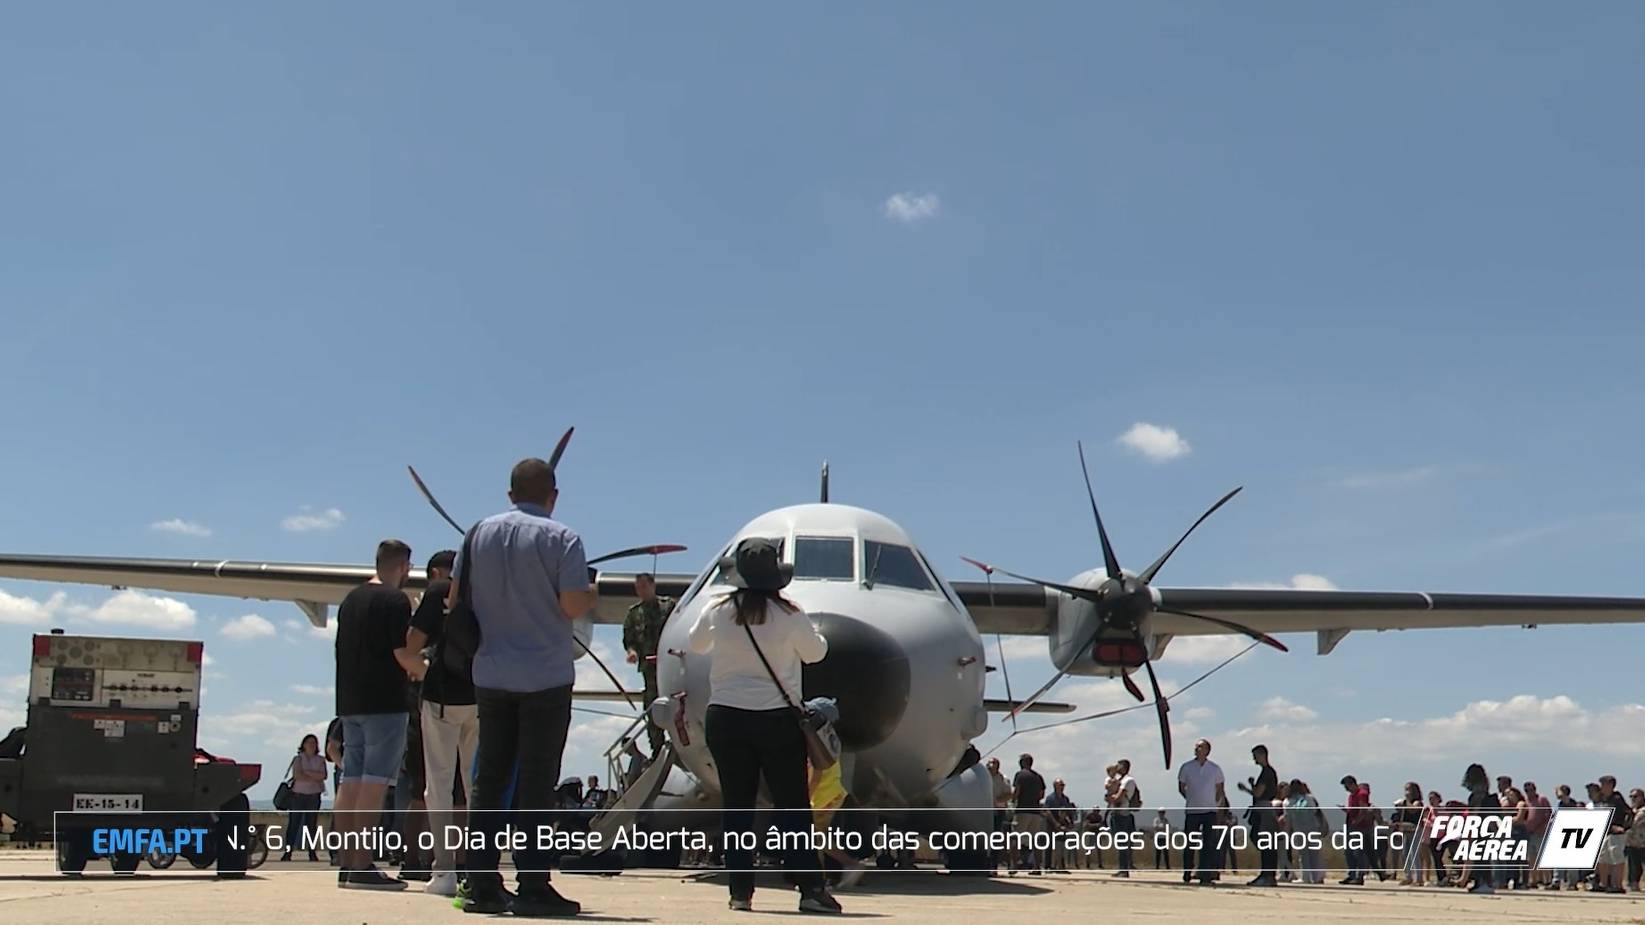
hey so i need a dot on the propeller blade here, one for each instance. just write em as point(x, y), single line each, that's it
point(1035, 696)
point(1005, 672)
point(637, 551)
point(1258, 635)
point(559, 449)
point(1110, 561)
point(1107, 713)
point(1131, 686)
point(1163, 706)
point(429, 497)
point(1081, 593)
point(1152, 570)
point(620, 689)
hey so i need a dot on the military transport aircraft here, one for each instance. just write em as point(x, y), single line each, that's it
point(906, 660)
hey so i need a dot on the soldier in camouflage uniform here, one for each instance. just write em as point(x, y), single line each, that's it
point(642, 627)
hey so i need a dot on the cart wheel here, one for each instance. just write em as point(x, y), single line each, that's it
point(125, 862)
point(160, 860)
point(73, 851)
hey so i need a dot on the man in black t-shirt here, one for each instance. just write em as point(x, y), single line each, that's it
point(1264, 789)
point(450, 721)
point(1028, 789)
point(373, 665)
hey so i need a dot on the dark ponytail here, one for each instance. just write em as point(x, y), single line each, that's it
point(750, 605)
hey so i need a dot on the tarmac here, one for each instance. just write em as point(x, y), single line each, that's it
point(301, 893)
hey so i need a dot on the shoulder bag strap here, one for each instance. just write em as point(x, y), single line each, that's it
point(780, 689)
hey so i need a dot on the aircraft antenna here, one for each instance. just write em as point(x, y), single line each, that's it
point(825, 482)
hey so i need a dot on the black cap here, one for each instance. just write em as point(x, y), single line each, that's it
point(757, 565)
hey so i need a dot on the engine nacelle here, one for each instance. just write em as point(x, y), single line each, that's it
point(1116, 650)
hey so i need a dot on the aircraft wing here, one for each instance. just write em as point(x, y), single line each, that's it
point(1023, 609)
point(314, 588)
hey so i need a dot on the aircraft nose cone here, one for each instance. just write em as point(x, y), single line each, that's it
point(867, 673)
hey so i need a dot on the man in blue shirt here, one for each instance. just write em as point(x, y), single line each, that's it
point(528, 579)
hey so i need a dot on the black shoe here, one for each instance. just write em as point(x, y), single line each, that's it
point(543, 902)
point(1187, 876)
point(820, 902)
point(285, 857)
point(313, 858)
point(1264, 880)
point(486, 902)
point(370, 879)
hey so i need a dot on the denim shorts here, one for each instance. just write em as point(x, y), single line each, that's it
point(373, 746)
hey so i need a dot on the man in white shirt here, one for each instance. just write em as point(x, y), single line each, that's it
point(1122, 819)
point(1201, 784)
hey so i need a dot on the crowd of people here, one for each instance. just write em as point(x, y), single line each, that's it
point(1288, 829)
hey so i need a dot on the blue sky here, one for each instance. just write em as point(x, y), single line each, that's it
point(1377, 263)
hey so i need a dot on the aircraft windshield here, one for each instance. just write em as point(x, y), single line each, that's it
point(826, 558)
point(897, 566)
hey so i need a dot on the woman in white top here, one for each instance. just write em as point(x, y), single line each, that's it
point(759, 640)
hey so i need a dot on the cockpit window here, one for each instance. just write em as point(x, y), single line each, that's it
point(896, 566)
point(826, 558)
point(720, 579)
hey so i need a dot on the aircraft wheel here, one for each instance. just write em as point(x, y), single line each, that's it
point(125, 862)
point(160, 860)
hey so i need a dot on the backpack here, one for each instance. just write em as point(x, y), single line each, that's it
point(460, 637)
point(1136, 796)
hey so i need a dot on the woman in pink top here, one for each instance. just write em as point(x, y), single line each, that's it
point(307, 773)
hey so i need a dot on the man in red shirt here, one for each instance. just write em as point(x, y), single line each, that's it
point(1359, 830)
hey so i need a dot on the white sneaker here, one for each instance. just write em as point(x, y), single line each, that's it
point(441, 884)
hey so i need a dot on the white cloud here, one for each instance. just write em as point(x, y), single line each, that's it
point(1159, 444)
point(181, 526)
point(591, 678)
point(327, 632)
point(26, 611)
point(1394, 479)
point(297, 626)
point(909, 208)
point(310, 690)
point(134, 608)
point(1278, 708)
point(13, 688)
point(306, 520)
point(1555, 724)
point(1022, 647)
point(249, 626)
point(1200, 713)
point(1202, 650)
point(1303, 581)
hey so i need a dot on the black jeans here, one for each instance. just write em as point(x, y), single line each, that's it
point(1263, 828)
point(1122, 825)
point(528, 730)
point(1210, 852)
point(1636, 863)
point(302, 822)
point(748, 745)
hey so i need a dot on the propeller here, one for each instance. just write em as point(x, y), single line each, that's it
point(1124, 602)
point(656, 550)
point(553, 462)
